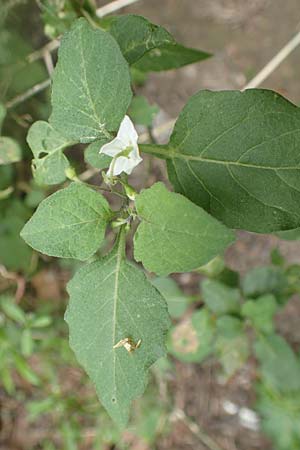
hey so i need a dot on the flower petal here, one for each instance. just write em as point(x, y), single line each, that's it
point(121, 164)
point(127, 133)
point(112, 148)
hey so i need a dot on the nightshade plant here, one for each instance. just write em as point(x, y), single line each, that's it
point(233, 159)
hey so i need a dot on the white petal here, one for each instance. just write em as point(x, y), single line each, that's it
point(135, 153)
point(121, 165)
point(127, 133)
point(113, 148)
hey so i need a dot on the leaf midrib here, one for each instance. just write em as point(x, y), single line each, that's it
point(115, 304)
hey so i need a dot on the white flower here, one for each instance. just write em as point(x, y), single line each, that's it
point(123, 149)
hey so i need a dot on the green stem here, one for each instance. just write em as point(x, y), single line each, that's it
point(161, 151)
point(121, 242)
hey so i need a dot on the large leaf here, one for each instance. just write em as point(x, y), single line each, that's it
point(10, 150)
point(111, 300)
point(237, 155)
point(136, 36)
point(150, 47)
point(169, 56)
point(175, 235)
point(91, 85)
point(49, 163)
point(70, 223)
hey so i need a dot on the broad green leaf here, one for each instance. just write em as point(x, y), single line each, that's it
point(175, 235)
point(231, 346)
point(149, 47)
point(280, 367)
point(261, 312)
point(70, 223)
point(169, 56)
point(219, 298)
point(136, 36)
point(51, 169)
point(94, 158)
point(192, 339)
point(2, 114)
point(141, 112)
point(236, 154)
point(91, 85)
point(176, 300)
point(264, 280)
point(280, 417)
point(49, 163)
point(111, 300)
point(10, 150)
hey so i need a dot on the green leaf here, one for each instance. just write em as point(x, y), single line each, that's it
point(175, 235)
point(10, 151)
point(280, 417)
point(41, 322)
point(176, 300)
point(280, 367)
point(70, 223)
point(49, 163)
point(219, 298)
point(27, 343)
point(11, 310)
point(141, 112)
point(231, 346)
point(261, 312)
point(236, 154)
point(91, 85)
point(264, 280)
point(111, 300)
point(25, 370)
point(192, 339)
point(136, 36)
point(94, 158)
point(149, 47)
point(169, 56)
